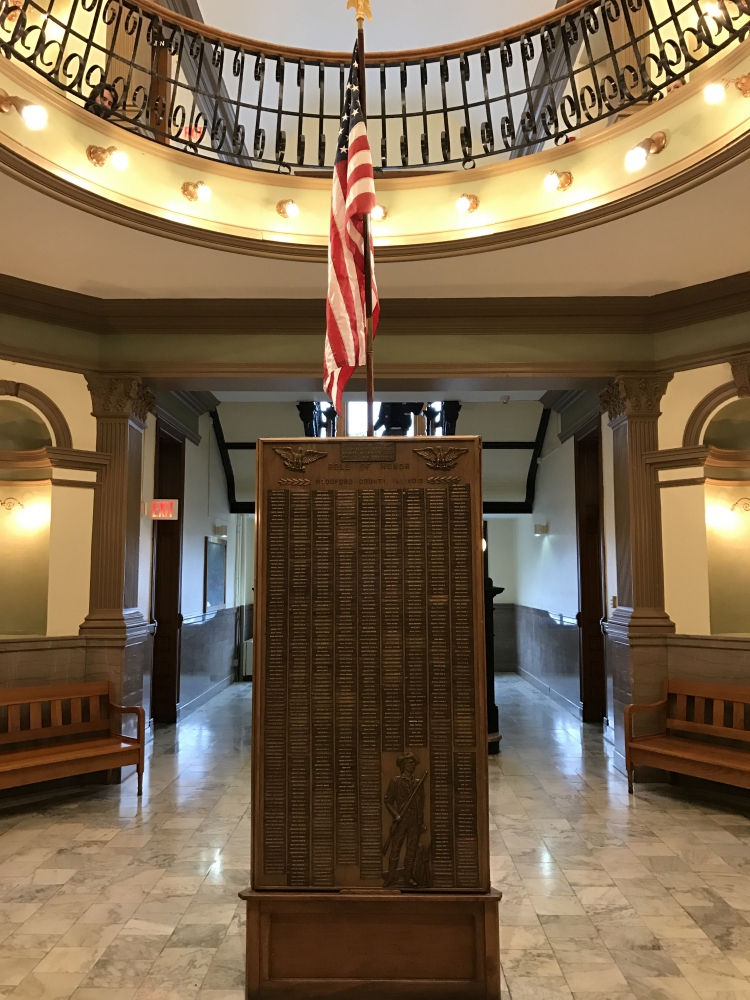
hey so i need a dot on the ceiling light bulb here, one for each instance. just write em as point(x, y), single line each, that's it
point(119, 160)
point(35, 116)
point(467, 203)
point(196, 190)
point(287, 209)
point(635, 158)
point(203, 191)
point(712, 9)
point(378, 213)
point(714, 93)
point(557, 180)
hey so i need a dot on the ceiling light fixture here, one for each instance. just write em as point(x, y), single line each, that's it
point(34, 115)
point(635, 158)
point(287, 209)
point(714, 93)
point(379, 213)
point(558, 180)
point(196, 191)
point(467, 203)
point(99, 155)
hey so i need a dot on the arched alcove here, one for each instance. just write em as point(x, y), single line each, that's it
point(25, 510)
point(727, 494)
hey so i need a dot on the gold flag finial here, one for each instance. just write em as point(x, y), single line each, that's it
point(362, 7)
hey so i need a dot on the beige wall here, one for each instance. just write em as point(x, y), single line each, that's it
point(683, 526)
point(24, 551)
point(67, 389)
point(728, 535)
point(69, 559)
point(501, 552)
point(204, 509)
point(683, 394)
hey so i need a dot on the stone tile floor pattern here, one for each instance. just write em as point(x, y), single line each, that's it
point(606, 897)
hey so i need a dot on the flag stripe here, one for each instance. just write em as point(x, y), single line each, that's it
point(353, 195)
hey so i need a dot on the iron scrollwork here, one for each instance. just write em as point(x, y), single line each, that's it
point(182, 83)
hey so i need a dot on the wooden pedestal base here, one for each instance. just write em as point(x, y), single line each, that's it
point(370, 946)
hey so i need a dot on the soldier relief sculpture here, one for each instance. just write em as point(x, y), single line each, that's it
point(404, 800)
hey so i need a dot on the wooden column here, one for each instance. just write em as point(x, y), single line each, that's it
point(741, 375)
point(119, 646)
point(636, 631)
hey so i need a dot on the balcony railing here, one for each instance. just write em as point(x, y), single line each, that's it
point(256, 105)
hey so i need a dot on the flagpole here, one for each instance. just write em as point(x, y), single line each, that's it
point(366, 239)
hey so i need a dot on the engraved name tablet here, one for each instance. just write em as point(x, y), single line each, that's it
point(370, 742)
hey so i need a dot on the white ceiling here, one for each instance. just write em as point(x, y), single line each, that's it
point(396, 24)
point(698, 236)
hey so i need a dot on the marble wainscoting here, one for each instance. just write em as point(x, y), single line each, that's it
point(548, 655)
point(208, 654)
point(506, 646)
point(29, 660)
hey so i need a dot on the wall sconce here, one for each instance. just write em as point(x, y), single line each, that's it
point(541, 529)
point(196, 191)
point(715, 93)
point(379, 213)
point(558, 180)
point(635, 158)
point(287, 209)
point(98, 155)
point(34, 115)
point(467, 203)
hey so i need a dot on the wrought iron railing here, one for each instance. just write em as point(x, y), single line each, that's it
point(214, 94)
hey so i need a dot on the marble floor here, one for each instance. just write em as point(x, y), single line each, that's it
point(105, 897)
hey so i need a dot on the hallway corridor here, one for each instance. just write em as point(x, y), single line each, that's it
point(103, 897)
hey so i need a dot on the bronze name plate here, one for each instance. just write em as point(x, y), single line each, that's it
point(369, 717)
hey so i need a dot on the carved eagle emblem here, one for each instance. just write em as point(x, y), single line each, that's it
point(296, 459)
point(439, 457)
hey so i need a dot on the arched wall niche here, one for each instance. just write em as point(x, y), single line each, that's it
point(62, 437)
point(704, 411)
point(727, 500)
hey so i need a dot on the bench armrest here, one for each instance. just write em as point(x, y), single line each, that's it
point(134, 710)
point(630, 711)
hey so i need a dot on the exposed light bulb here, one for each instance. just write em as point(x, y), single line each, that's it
point(714, 93)
point(35, 116)
point(558, 180)
point(119, 160)
point(713, 10)
point(287, 209)
point(635, 159)
point(467, 203)
point(378, 213)
point(484, 545)
point(203, 191)
point(33, 516)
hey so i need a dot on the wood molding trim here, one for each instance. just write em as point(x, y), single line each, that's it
point(699, 417)
point(676, 458)
point(606, 314)
point(46, 406)
point(51, 185)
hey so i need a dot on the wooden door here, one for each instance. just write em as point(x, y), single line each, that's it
point(168, 485)
point(588, 475)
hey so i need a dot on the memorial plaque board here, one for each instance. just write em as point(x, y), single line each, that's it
point(369, 719)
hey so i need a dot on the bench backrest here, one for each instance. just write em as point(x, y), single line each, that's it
point(52, 711)
point(712, 709)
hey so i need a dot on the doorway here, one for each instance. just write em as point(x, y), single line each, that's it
point(588, 480)
point(169, 483)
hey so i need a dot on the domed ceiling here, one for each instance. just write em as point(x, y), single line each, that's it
point(397, 24)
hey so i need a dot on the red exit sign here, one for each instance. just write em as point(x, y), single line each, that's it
point(164, 510)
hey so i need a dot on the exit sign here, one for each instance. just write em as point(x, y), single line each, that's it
point(164, 510)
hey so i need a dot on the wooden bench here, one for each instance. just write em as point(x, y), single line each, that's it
point(720, 711)
point(61, 730)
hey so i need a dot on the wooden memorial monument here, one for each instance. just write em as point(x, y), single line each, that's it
point(370, 833)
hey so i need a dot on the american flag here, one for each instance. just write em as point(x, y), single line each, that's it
point(353, 196)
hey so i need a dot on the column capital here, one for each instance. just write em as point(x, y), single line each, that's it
point(634, 395)
point(120, 396)
point(741, 374)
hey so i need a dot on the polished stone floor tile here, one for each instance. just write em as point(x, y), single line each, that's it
point(606, 896)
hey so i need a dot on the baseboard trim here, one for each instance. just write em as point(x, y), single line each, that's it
point(558, 698)
point(184, 710)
